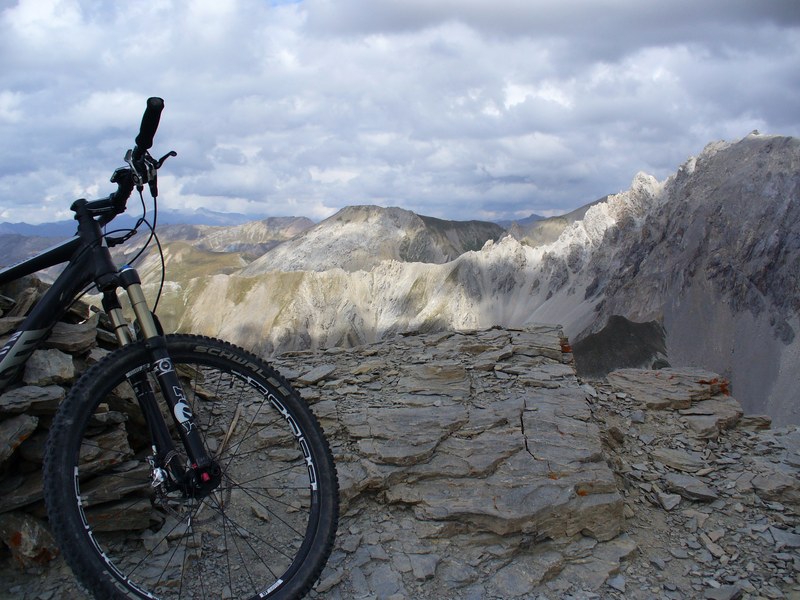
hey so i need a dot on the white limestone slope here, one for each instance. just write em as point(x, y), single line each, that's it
point(360, 237)
point(505, 283)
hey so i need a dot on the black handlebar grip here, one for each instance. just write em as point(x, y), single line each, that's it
point(147, 131)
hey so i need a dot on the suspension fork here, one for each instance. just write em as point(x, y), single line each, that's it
point(203, 471)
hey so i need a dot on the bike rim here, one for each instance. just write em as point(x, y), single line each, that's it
point(246, 539)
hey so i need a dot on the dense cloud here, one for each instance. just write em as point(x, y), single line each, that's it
point(452, 108)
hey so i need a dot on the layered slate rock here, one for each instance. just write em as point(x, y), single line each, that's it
point(702, 397)
point(668, 388)
point(714, 509)
point(450, 443)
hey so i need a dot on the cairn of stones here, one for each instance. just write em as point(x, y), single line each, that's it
point(26, 411)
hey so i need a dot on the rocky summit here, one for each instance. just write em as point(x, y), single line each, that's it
point(476, 464)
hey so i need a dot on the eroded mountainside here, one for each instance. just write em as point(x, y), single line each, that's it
point(252, 239)
point(361, 237)
point(712, 253)
point(717, 261)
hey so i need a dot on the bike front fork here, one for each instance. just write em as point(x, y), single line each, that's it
point(199, 475)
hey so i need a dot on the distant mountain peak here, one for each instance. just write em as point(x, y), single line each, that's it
point(360, 237)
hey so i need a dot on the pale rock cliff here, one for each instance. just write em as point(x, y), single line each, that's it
point(504, 283)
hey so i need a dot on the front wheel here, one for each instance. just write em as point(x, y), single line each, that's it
point(267, 529)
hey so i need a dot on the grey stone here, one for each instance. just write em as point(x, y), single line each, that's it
point(681, 460)
point(29, 490)
point(24, 301)
point(785, 539)
point(32, 449)
point(669, 501)
point(28, 539)
point(521, 576)
point(774, 485)
point(667, 388)
point(316, 375)
point(32, 399)
point(46, 367)
point(424, 566)
point(384, 581)
point(617, 582)
point(725, 592)
point(403, 436)
point(444, 378)
point(708, 417)
point(73, 338)
point(690, 487)
point(15, 431)
point(8, 324)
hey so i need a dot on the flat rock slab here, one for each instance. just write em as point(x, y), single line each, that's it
point(708, 418)
point(668, 388)
point(691, 488)
point(32, 399)
point(681, 460)
point(448, 441)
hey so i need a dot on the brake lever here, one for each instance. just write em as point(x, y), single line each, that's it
point(155, 165)
point(150, 167)
point(163, 159)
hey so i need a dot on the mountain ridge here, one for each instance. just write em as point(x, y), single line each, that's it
point(720, 259)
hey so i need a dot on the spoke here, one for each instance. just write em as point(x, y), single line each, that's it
point(149, 554)
point(225, 519)
point(273, 498)
point(257, 501)
point(257, 536)
point(169, 561)
point(241, 455)
point(271, 474)
point(227, 437)
point(263, 426)
point(120, 511)
point(235, 525)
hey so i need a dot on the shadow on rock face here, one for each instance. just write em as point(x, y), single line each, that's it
point(621, 344)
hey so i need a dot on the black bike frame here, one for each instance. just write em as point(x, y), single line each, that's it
point(89, 262)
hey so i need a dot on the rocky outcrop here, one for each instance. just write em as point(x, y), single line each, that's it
point(26, 410)
point(475, 464)
point(714, 502)
point(716, 263)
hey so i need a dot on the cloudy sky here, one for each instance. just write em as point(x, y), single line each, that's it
point(462, 109)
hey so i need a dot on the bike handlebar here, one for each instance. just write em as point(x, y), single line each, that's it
point(141, 168)
point(147, 130)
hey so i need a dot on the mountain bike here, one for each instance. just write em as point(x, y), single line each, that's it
point(178, 466)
